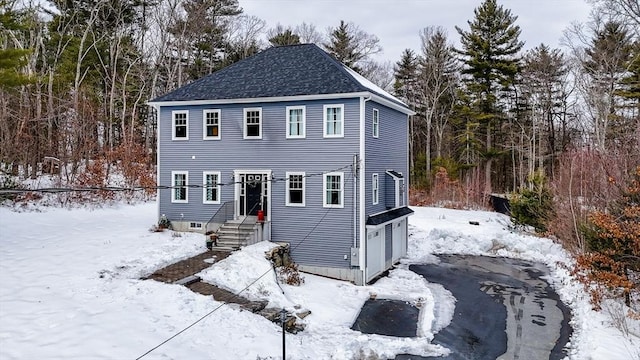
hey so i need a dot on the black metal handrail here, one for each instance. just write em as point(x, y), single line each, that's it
point(225, 213)
point(247, 216)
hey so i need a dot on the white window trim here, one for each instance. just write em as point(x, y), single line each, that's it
point(204, 187)
point(375, 123)
point(324, 120)
point(195, 225)
point(244, 127)
point(204, 124)
point(304, 188)
point(304, 122)
point(325, 202)
point(375, 189)
point(173, 185)
point(173, 124)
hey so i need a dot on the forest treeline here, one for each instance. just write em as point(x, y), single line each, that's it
point(558, 128)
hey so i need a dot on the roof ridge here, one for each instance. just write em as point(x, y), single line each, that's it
point(341, 68)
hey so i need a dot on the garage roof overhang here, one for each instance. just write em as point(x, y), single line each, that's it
point(388, 216)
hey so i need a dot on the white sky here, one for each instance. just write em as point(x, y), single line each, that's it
point(397, 22)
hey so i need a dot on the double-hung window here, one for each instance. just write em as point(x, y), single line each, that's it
point(211, 124)
point(211, 187)
point(253, 123)
point(295, 188)
point(375, 189)
point(375, 126)
point(180, 125)
point(295, 122)
point(333, 121)
point(179, 186)
point(333, 185)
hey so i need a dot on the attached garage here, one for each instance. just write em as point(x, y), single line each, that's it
point(375, 252)
point(377, 237)
point(399, 240)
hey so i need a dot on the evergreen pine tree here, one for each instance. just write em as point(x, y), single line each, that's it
point(342, 46)
point(12, 59)
point(490, 48)
point(286, 37)
point(405, 74)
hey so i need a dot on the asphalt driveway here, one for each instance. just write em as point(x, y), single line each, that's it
point(504, 309)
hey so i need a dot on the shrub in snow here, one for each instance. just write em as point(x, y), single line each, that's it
point(290, 275)
point(533, 205)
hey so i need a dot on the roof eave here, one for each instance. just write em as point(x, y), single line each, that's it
point(384, 101)
point(375, 97)
point(258, 99)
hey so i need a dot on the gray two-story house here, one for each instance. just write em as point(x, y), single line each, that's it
point(289, 145)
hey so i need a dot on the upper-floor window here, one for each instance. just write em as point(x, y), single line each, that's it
point(179, 186)
point(376, 123)
point(295, 122)
point(211, 124)
point(253, 123)
point(333, 185)
point(374, 188)
point(211, 187)
point(334, 121)
point(180, 127)
point(295, 188)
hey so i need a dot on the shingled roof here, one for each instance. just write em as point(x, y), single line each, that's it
point(281, 71)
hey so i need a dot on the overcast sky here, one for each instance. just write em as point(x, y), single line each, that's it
point(397, 22)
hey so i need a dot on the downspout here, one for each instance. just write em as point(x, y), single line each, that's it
point(361, 177)
point(157, 115)
point(354, 170)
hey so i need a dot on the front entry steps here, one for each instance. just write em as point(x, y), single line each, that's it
point(235, 234)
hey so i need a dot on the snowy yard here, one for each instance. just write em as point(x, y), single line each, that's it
point(70, 289)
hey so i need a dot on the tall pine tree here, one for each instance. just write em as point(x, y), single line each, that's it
point(284, 37)
point(490, 49)
point(12, 58)
point(342, 46)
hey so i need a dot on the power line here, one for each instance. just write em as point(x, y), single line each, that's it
point(246, 287)
point(54, 190)
point(234, 295)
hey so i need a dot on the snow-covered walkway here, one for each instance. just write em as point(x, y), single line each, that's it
point(70, 288)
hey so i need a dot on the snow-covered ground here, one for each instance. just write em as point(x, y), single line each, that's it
point(70, 289)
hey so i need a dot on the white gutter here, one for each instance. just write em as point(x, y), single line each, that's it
point(362, 176)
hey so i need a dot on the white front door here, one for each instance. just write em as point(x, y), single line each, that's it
point(252, 192)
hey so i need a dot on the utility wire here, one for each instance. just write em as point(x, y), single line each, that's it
point(248, 286)
point(157, 187)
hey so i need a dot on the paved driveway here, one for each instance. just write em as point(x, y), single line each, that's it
point(504, 310)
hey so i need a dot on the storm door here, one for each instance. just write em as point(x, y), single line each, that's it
point(253, 194)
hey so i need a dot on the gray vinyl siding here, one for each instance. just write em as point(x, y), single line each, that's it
point(387, 152)
point(319, 236)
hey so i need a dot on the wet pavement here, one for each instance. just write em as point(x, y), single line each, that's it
point(504, 310)
point(388, 317)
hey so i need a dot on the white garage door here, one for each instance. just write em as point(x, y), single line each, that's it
point(399, 240)
point(375, 253)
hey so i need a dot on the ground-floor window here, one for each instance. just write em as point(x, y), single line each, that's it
point(211, 187)
point(179, 184)
point(333, 184)
point(295, 188)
